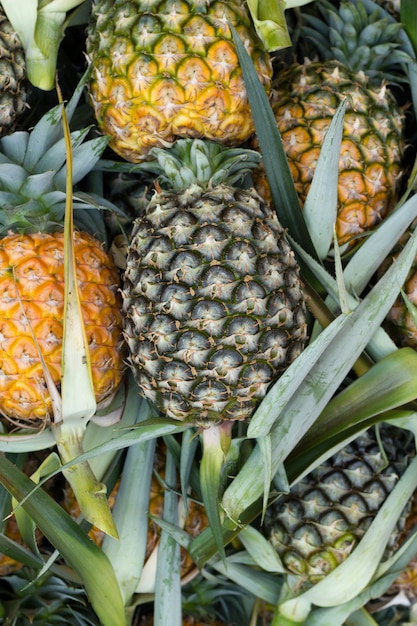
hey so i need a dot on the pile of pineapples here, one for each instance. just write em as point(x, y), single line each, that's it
point(208, 312)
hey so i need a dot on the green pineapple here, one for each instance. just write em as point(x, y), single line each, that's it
point(213, 305)
point(359, 57)
point(163, 69)
point(13, 80)
point(320, 521)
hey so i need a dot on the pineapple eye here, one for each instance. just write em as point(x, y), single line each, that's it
point(223, 360)
point(193, 347)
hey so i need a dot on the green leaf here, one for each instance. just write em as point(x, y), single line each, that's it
point(389, 384)
point(408, 16)
point(320, 207)
point(269, 20)
point(87, 560)
point(78, 402)
point(274, 158)
point(130, 513)
point(168, 580)
point(25, 523)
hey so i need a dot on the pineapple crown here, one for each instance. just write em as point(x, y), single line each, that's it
point(49, 599)
point(200, 162)
point(360, 35)
point(33, 175)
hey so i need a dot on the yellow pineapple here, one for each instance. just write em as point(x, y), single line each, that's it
point(32, 196)
point(305, 97)
point(163, 69)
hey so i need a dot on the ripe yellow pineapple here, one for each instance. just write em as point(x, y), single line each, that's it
point(32, 196)
point(305, 98)
point(162, 70)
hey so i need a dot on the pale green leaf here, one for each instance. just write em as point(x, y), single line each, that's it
point(87, 560)
point(320, 207)
point(168, 581)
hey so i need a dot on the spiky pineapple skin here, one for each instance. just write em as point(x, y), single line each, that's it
point(162, 69)
point(31, 319)
point(13, 80)
point(320, 521)
point(213, 307)
point(304, 100)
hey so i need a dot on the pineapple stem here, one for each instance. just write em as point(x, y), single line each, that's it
point(89, 492)
point(216, 441)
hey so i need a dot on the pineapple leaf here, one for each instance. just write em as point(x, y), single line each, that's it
point(260, 584)
point(14, 147)
point(210, 472)
point(130, 511)
point(26, 441)
point(85, 157)
point(274, 158)
point(25, 523)
point(261, 550)
point(87, 560)
point(412, 309)
point(55, 156)
point(77, 392)
point(168, 580)
point(370, 255)
point(320, 207)
point(269, 20)
point(408, 17)
point(389, 384)
point(11, 175)
point(20, 554)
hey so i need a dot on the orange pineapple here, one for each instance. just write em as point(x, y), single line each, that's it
point(32, 196)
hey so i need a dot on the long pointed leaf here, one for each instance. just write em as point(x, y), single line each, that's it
point(275, 161)
point(87, 560)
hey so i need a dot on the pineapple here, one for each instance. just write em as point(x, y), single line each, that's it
point(213, 305)
point(358, 56)
point(166, 69)
point(32, 193)
point(13, 81)
point(320, 521)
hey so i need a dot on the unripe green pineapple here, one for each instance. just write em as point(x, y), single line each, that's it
point(163, 69)
point(359, 57)
point(214, 310)
point(320, 521)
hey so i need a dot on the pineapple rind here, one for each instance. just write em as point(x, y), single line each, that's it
point(31, 319)
point(162, 70)
point(317, 525)
point(304, 99)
